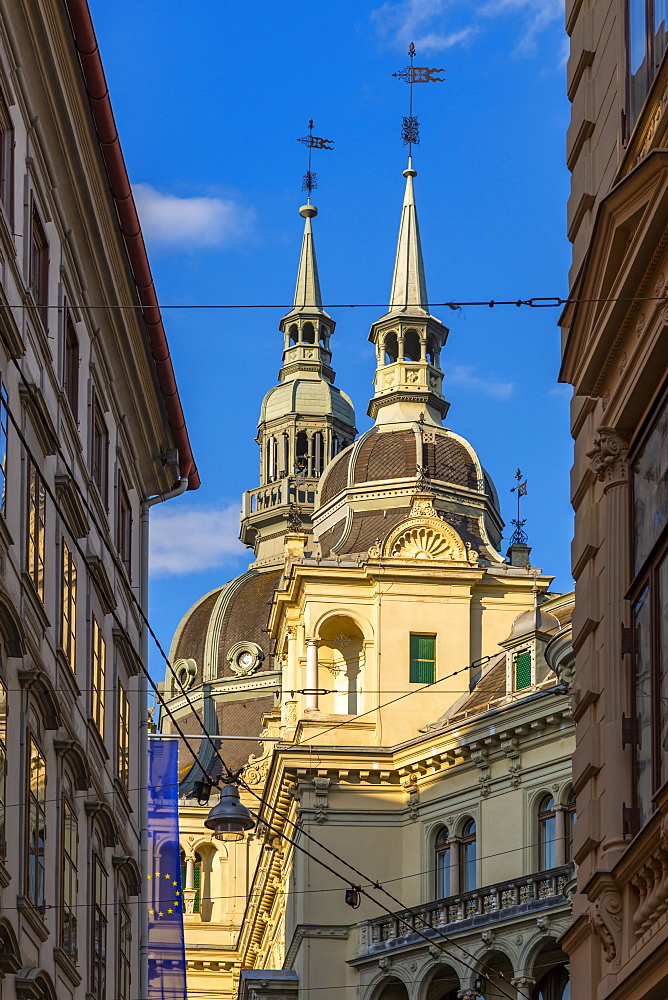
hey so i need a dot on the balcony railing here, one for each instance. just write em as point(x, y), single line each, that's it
point(542, 890)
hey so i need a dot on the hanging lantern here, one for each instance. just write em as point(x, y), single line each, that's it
point(229, 819)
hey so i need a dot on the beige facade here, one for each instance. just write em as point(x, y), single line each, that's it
point(616, 359)
point(85, 439)
point(399, 686)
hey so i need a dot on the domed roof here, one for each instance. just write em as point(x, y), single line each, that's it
point(335, 476)
point(236, 612)
point(307, 396)
point(533, 620)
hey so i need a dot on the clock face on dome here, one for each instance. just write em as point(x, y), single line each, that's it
point(245, 657)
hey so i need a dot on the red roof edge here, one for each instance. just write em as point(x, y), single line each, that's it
point(103, 117)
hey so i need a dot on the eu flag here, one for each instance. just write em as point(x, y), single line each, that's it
point(166, 952)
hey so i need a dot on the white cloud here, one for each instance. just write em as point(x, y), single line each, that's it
point(436, 25)
point(188, 541)
point(170, 221)
point(464, 375)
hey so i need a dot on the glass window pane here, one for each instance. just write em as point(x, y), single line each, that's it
point(637, 56)
point(660, 36)
point(662, 603)
point(643, 707)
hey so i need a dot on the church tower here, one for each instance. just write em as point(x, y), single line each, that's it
point(305, 420)
point(408, 339)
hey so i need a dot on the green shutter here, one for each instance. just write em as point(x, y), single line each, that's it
point(197, 880)
point(523, 670)
point(423, 659)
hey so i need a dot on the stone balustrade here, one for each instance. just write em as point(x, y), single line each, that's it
point(503, 900)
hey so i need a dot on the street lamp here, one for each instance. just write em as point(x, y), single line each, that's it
point(229, 819)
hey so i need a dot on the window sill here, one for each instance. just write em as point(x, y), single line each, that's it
point(66, 675)
point(5, 536)
point(33, 916)
point(67, 965)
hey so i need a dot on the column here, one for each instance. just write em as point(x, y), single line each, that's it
point(455, 848)
point(290, 683)
point(523, 985)
point(560, 835)
point(608, 462)
point(310, 469)
point(189, 891)
point(311, 674)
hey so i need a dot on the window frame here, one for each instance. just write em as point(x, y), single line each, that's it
point(35, 867)
point(633, 113)
point(38, 264)
point(68, 606)
point(417, 674)
point(71, 361)
point(646, 637)
point(6, 161)
point(547, 848)
point(4, 443)
point(69, 881)
point(124, 973)
point(123, 739)
point(99, 449)
point(467, 864)
point(124, 525)
point(4, 707)
point(98, 928)
point(527, 651)
point(98, 670)
point(36, 529)
point(442, 863)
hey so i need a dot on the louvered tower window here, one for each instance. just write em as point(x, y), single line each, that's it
point(522, 670)
point(423, 659)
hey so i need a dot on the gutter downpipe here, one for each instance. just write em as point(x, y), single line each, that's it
point(146, 505)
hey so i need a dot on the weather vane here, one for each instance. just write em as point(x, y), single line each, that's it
point(519, 535)
point(410, 131)
point(313, 142)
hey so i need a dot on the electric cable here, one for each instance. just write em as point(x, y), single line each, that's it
point(535, 302)
point(158, 694)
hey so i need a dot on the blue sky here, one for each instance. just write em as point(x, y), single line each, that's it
point(209, 99)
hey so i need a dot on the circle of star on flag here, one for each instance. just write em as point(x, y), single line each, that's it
point(173, 906)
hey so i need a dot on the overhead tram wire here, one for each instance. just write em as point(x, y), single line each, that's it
point(534, 302)
point(161, 699)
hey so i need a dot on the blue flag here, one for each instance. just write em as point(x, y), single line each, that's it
point(166, 951)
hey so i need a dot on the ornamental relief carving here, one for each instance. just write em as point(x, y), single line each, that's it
point(608, 456)
point(605, 918)
point(425, 537)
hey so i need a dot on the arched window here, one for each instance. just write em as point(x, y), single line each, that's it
point(286, 454)
point(467, 857)
point(571, 818)
point(390, 347)
point(554, 986)
point(318, 453)
point(442, 850)
point(432, 350)
point(547, 834)
point(411, 346)
point(301, 458)
point(308, 333)
point(294, 334)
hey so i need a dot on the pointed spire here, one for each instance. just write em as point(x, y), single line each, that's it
point(409, 289)
point(307, 291)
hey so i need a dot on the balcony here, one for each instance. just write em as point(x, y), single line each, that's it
point(503, 901)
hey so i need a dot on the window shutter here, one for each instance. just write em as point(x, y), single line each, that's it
point(197, 881)
point(422, 659)
point(523, 670)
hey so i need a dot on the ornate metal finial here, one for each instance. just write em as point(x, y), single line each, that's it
point(519, 536)
point(310, 181)
point(295, 522)
point(410, 130)
point(423, 483)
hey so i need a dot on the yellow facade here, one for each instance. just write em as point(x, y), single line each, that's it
point(406, 682)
